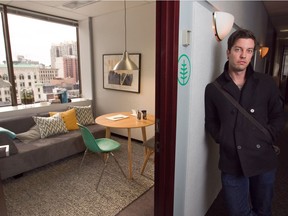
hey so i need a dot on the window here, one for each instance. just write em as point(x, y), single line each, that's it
point(4, 100)
point(44, 54)
point(5, 77)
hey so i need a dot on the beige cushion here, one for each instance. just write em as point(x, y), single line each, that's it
point(32, 134)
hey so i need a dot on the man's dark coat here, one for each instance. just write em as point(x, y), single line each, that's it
point(244, 149)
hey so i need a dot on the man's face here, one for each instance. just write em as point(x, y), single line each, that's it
point(240, 54)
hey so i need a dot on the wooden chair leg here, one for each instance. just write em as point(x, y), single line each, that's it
point(149, 152)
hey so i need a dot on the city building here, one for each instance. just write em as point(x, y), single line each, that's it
point(42, 79)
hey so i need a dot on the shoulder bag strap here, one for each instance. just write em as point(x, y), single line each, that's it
point(241, 109)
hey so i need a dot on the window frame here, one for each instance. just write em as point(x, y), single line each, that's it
point(5, 10)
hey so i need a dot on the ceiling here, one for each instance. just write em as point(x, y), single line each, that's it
point(81, 10)
point(278, 12)
point(77, 10)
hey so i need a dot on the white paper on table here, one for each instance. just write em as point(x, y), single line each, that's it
point(117, 117)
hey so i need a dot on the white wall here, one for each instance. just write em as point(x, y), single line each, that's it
point(197, 179)
point(109, 39)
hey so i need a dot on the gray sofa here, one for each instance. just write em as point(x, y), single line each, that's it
point(41, 151)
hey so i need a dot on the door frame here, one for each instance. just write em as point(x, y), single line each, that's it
point(167, 30)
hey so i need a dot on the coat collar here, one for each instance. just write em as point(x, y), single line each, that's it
point(249, 72)
point(249, 87)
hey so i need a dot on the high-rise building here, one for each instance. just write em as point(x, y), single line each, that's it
point(61, 50)
point(64, 57)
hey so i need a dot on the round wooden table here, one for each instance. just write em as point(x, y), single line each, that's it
point(126, 123)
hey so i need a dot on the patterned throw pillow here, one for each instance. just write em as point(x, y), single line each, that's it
point(69, 118)
point(84, 114)
point(49, 126)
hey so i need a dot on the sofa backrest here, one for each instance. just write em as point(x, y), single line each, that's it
point(20, 124)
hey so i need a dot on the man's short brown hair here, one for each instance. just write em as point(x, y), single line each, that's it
point(240, 33)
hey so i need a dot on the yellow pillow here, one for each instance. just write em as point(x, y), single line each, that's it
point(69, 118)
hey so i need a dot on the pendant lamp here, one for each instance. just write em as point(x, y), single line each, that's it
point(125, 63)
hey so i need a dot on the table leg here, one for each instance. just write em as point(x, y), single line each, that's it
point(144, 138)
point(144, 134)
point(129, 154)
point(108, 133)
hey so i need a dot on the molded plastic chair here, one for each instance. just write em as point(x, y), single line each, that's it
point(149, 150)
point(102, 145)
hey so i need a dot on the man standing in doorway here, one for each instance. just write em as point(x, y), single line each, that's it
point(247, 160)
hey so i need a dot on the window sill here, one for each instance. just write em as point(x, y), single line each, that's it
point(40, 107)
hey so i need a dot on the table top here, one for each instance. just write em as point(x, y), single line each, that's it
point(129, 122)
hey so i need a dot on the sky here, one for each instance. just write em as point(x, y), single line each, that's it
point(33, 38)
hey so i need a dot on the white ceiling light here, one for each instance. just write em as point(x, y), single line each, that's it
point(77, 4)
point(222, 24)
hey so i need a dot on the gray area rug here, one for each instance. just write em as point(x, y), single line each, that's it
point(62, 189)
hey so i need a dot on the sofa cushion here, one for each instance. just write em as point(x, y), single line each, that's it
point(84, 114)
point(49, 126)
point(69, 118)
point(32, 134)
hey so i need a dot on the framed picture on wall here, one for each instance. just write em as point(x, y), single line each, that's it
point(121, 80)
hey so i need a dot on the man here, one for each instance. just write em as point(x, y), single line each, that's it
point(247, 159)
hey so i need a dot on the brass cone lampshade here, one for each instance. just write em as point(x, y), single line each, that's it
point(125, 64)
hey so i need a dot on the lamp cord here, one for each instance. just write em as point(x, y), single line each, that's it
point(125, 24)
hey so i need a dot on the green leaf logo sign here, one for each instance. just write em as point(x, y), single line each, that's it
point(184, 69)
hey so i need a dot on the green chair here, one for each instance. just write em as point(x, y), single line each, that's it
point(103, 146)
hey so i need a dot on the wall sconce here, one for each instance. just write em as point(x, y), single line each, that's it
point(125, 64)
point(222, 24)
point(263, 51)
